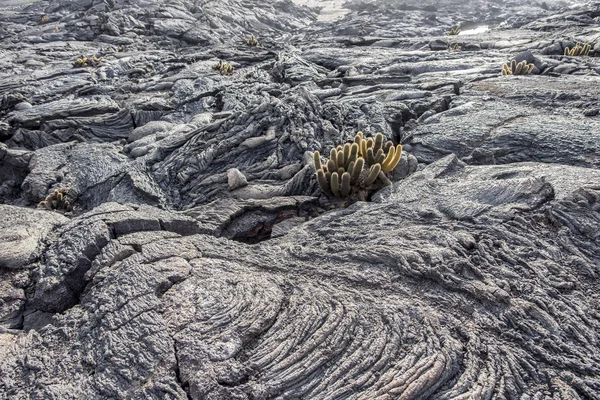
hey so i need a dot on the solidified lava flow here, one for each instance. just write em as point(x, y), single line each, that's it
point(164, 235)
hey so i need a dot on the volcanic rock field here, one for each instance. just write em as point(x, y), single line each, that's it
point(163, 234)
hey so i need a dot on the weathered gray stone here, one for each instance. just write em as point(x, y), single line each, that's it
point(21, 233)
point(235, 179)
point(438, 44)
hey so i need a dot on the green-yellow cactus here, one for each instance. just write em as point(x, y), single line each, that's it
point(224, 68)
point(373, 174)
point(317, 160)
point(578, 50)
point(57, 200)
point(392, 159)
point(358, 166)
point(522, 68)
point(251, 41)
point(85, 61)
point(345, 189)
point(454, 31)
point(335, 184)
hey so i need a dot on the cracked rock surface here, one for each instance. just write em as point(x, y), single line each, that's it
point(200, 260)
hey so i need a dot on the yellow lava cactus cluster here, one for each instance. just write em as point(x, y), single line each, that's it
point(358, 167)
point(579, 50)
point(57, 200)
point(454, 31)
point(251, 41)
point(515, 68)
point(224, 68)
point(85, 61)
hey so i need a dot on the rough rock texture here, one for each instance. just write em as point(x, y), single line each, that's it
point(21, 234)
point(200, 260)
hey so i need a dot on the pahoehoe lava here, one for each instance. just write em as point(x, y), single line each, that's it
point(198, 258)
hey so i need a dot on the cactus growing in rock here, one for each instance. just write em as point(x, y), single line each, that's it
point(251, 41)
point(224, 68)
point(358, 167)
point(522, 68)
point(454, 31)
point(85, 61)
point(578, 50)
point(57, 200)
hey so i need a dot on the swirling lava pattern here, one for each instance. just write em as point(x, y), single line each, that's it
point(257, 337)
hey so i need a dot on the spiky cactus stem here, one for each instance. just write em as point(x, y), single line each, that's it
point(345, 189)
point(373, 173)
point(317, 160)
point(358, 167)
point(335, 184)
point(322, 179)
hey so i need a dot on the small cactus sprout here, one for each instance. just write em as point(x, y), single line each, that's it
point(454, 31)
point(358, 167)
point(251, 41)
point(578, 50)
point(522, 68)
point(80, 62)
point(224, 68)
point(85, 61)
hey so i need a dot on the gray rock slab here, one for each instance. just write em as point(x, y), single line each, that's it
point(22, 233)
point(22, 240)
